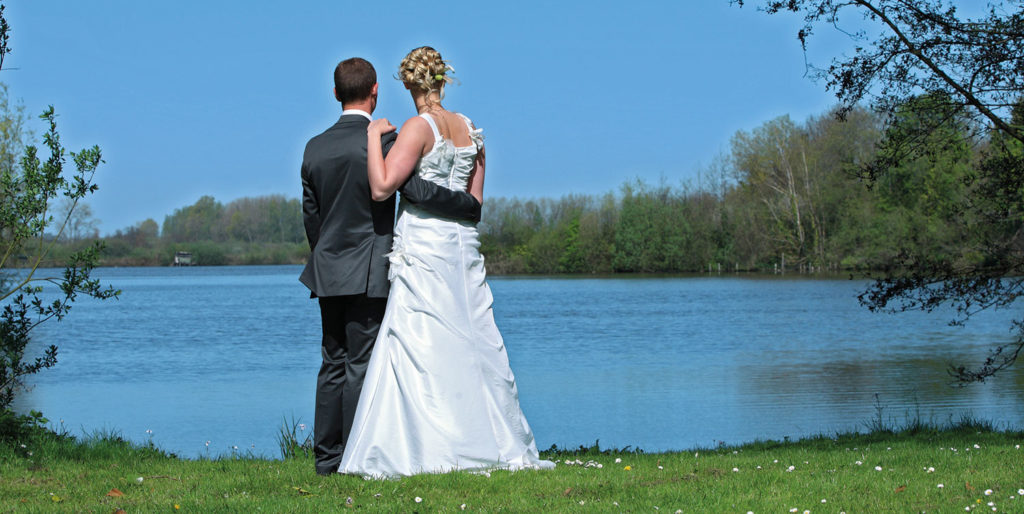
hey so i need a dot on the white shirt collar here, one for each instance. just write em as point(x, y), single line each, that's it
point(360, 112)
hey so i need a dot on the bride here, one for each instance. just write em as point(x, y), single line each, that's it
point(439, 394)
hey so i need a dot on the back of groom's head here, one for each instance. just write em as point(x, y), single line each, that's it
point(353, 80)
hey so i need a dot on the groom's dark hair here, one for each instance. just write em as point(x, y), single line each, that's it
point(354, 79)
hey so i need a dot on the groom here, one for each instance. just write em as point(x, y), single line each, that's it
point(349, 234)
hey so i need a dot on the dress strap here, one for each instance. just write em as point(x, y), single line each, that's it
point(433, 126)
point(469, 123)
point(475, 134)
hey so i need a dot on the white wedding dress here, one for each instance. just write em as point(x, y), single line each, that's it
point(439, 394)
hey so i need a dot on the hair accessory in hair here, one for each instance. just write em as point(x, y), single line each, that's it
point(439, 76)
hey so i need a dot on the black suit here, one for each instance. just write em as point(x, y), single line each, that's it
point(348, 235)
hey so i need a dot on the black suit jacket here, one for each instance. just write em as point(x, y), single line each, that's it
point(348, 232)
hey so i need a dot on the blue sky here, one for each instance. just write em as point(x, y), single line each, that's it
point(192, 98)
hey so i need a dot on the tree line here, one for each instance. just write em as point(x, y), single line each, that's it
point(261, 230)
point(785, 196)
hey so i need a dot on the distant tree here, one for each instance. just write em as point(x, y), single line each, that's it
point(772, 163)
point(28, 189)
point(972, 68)
point(201, 221)
point(81, 224)
point(148, 232)
point(653, 233)
point(13, 132)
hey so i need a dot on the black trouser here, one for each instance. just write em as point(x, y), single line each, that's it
point(350, 324)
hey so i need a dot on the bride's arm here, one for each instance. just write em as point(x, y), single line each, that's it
point(387, 175)
point(476, 177)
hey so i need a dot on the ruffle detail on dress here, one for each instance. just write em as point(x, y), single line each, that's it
point(398, 257)
point(477, 136)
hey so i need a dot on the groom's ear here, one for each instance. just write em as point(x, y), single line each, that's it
point(373, 91)
point(336, 97)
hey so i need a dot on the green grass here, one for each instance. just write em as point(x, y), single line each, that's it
point(820, 474)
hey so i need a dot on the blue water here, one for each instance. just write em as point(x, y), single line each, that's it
point(226, 354)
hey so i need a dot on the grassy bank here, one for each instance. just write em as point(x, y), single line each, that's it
point(915, 469)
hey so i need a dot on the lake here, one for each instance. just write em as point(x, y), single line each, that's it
point(226, 354)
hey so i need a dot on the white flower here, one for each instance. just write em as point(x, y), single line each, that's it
point(695, 454)
point(791, 468)
point(302, 426)
point(661, 467)
point(582, 502)
point(1017, 447)
point(824, 500)
point(418, 499)
point(776, 461)
point(462, 507)
point(991, 504)
point(615, 504)
point(618, 460)
point(988, 492)
point(794, 509)
point(940, 486)
point(138, 479)
point(931, 469)
point(759, 467)
point(976, 447)
point(859, 463)
point(735, 470)
point(1020, 492)
point(878, 468)
point(23, 446)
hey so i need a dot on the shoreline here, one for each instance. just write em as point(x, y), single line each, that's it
point(916, 467)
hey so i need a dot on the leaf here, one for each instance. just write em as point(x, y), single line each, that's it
point(567, 491)
point(56, 499)
point(301, 491)
point(969, 486)
point(115, 493)
point(901, 488)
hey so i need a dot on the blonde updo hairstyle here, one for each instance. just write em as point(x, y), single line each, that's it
point(423, 69)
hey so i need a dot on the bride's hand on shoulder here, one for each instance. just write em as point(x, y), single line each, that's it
point(380, 127)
